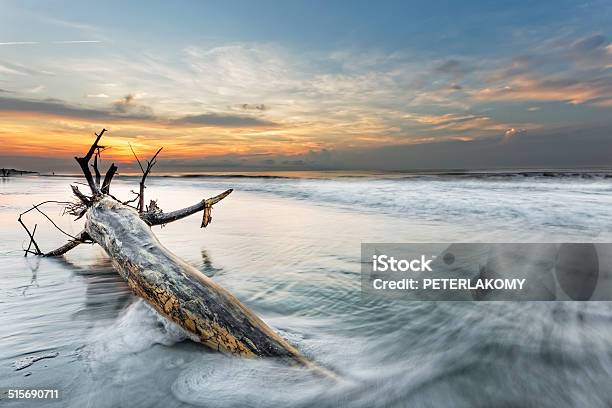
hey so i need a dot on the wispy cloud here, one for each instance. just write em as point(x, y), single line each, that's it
point(20, 43)
point(77, 42)
point(530, 88)
point(16, 69)
point(50, 42)
point(571, 71)
point(281, 101)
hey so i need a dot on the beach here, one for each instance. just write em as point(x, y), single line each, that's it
point(289, 248)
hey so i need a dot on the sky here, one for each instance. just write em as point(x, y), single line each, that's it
point(298, 85)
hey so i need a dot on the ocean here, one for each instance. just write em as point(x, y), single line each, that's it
point(289, 248)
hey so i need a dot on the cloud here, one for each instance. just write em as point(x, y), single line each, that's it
point(452, 67)
point(323, 99)
point(222, 120)
point(22, 70)
point(77, 42)
point(511, 133)
point(257, 106)
point(53, 107)
point(20, 43)
point(122, 104)
point(547, 148)
point(561, 147)
point(79, 26)
point(12, 69)
point(126, 108)
point(590, 43)
point(533, 88)
point(603, 103)
point(460, 122)
point(564, 71)
point(52, 42)
point(34, 90)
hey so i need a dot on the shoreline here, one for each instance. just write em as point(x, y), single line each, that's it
point(603, 172)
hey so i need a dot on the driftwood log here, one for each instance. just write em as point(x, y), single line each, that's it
point(177, 290)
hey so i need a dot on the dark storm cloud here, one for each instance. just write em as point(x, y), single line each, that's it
point(59, 108)
point(124, 109)
point(210, 119)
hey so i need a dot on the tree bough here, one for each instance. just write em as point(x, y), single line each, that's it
point(177, 290)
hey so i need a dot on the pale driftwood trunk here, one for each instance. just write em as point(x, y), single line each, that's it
point(174, 288)
point(179, 291)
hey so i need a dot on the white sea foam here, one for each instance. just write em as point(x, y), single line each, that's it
point(137, 329)
point(569, 207)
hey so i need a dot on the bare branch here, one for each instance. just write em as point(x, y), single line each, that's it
point(150, 164)
point(50, 220)
point(36, 207)
point(76, 209)
point(161, 218)
point(81, 237)
point(32, 240)
point(108, 178)
point(133, 199)
point(84, 199)
point(31, 235)
point(81, 214)
point(84, 163)
point(136, 157)
point(74, 240)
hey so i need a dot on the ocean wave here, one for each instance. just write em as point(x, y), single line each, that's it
point(576, 205)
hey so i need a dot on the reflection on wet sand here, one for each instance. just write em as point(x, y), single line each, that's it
point(207, 267)
point(106, 293)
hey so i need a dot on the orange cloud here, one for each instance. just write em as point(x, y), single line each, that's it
point(526, 88)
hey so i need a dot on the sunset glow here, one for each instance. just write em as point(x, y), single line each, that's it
point(257, 94)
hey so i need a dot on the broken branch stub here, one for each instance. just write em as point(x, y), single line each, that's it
point(84, 164)
point(108, 177)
